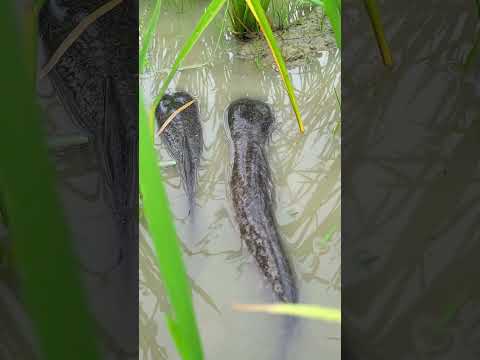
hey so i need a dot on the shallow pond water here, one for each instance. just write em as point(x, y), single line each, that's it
point(306, 173)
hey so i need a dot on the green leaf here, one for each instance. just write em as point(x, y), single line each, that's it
point(151, 27)
point(374, 14)
point(300, 310)
point(181, 319)
point(257, 10)
point(52, 291)
point(333, 12)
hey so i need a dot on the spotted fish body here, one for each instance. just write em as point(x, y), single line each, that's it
point(183, 138)
point(250, 124)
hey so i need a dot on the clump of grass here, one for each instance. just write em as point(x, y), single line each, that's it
point(280, 11)
point(333, 11)
point(241, 18)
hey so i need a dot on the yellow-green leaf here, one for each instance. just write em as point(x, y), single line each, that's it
point(301, 310)
point(374, 14)
point(257, 11)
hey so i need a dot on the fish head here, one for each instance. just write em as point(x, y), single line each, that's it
point(250, 117)
point(170, 103)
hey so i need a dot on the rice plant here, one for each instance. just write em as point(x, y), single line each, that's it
point(280, 11)
point(241, 18)
point(333, 10)
point(257, 9)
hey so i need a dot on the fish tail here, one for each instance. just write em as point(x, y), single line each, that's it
point(289, 331)
point(285, 285)
point(189, 175)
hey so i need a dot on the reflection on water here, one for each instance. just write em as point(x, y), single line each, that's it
point(306, 172)
point(411, 139)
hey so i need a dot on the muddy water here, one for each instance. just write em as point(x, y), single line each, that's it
point(306, 172)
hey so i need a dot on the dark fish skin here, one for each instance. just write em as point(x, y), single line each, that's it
point(250, 124)
point(183, 138)
point(96, 81)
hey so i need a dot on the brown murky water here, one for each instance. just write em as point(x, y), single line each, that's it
point(306, 172)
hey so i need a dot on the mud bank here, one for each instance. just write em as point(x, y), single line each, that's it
point(304, 40)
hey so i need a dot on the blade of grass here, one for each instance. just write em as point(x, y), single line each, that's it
point(257, 10)
point(51, 288)
point(338, 124)
point(210, 12)
point(374, 14)
point(300, 310)
point(332, 10)
point(151, 27)
point(30, 36)
point(181, 320)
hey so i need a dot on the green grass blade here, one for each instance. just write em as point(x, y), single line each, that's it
point(374, 14)
point(151, 28)
point(332, 10)
point(257, 10)
point(51, 288)
point(181, 320)
point(338, 124)
point(210, 12)
point(299, 310)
